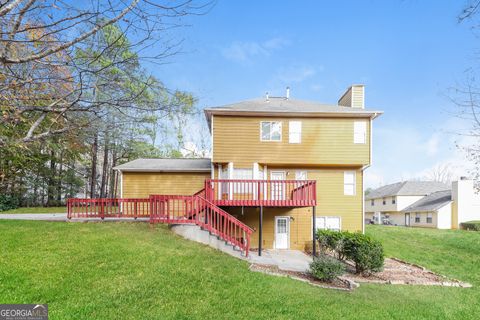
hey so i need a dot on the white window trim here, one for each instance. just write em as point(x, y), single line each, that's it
point(364, 133)
point(281, 131)
point(325, 222)
point(354, 183)
point(290, 132)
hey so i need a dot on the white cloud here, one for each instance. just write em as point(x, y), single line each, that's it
point(242, 52)
point(295, 74)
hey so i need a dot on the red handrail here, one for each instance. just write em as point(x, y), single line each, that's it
point(240, 192)
point(173, 209)
point(108, 208)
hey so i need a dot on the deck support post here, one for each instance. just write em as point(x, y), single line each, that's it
point(314, 231)
point(260, 231)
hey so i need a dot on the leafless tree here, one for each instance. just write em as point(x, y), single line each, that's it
point(441, 173)
point(45, 87)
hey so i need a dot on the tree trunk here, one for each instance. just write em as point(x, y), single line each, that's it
point(113, 175)
point(59, 180)
point(103, 185)
point(93, 171)
point(51, 181)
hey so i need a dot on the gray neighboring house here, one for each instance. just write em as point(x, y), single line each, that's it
point(423, 204)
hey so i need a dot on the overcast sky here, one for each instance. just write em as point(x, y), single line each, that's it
point(407, 53)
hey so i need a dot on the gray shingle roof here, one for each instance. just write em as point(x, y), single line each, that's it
point(432, 202)
point(288, 106)
point(166, 165)
point(408, 188)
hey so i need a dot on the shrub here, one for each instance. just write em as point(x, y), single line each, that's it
point(8, 202)
point(470, 225)
point(326, 268)
point(365, 252)
point(333, 241)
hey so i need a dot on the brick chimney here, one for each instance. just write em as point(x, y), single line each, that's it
point(354, 97)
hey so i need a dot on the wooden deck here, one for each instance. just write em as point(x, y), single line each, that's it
point(266, 193)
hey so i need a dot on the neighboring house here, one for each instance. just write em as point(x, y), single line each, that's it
point(424, 204)
point(282, 166)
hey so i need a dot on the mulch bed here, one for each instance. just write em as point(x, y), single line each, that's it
point(395, 271)
point(339, 284)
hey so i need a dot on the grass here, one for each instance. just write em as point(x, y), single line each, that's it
point(134, 271)
point(37, 210)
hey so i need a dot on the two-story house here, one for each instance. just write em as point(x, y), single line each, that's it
point(427, 204)
point(284, 167)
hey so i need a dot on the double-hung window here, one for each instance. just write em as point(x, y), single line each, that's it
point(349, 183)
point(359, 132)
point(271, 131)
point(429, 217)
point(328, 223)
point(294, 131)
point(417, 217)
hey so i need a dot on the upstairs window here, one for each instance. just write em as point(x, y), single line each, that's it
point(360, 132)
point(349, 183)
point(294, 131)
point(384, 201)
point(271, 131)
point(394, 200)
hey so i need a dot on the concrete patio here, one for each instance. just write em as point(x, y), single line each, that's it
point(288, 260)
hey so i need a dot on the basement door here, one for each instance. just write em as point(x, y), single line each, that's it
point(282, 232)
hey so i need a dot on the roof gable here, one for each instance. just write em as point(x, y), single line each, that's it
point(408, 188)
point(432, 202)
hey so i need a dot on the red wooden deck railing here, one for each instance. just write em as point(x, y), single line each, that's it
point(197, 210)
point(269, 193)
point(108, 208)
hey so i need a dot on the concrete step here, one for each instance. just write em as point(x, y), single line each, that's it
point(195, 233)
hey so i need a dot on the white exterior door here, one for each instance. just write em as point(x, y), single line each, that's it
point(282, 232)
point(407, 219)
point(278, 188)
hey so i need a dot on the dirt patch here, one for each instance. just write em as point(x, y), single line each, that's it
point(339, 283)
point(400, 272)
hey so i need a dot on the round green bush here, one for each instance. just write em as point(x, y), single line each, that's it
point(366, 252)
point(326, 268)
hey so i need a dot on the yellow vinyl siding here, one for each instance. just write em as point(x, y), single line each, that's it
point(325, 141)
point(143, 184)
point(357, 97)
point(331, 201)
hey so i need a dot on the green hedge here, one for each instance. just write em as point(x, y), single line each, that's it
point(326, 268)
point(8, 202)
point(470, 225)
point(365, 252)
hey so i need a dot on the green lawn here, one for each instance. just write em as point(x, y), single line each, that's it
point(37, 210)
point(135, 271)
